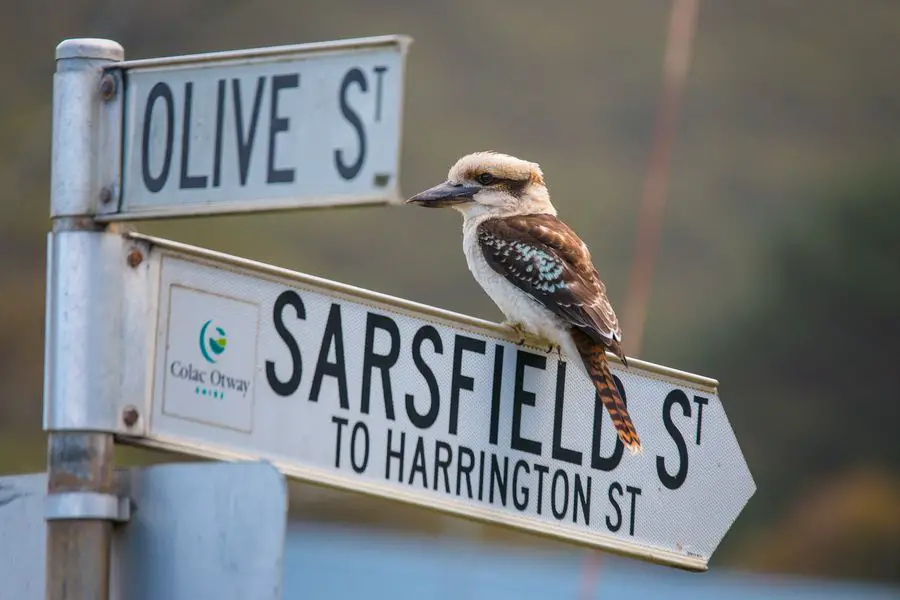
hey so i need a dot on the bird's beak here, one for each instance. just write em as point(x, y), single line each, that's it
point(445, 194)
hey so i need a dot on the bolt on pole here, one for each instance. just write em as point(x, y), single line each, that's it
point(81, 503)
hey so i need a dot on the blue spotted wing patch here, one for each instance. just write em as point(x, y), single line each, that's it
point(534, 266)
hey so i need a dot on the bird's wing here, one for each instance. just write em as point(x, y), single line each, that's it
point(543, 257)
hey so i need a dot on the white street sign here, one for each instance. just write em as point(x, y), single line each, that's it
point(252, 130)
point(361, 391)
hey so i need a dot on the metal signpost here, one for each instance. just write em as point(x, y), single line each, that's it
point(170, 346)
point(284, 127)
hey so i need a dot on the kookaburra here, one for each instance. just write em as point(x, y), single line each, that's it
point(534, 267)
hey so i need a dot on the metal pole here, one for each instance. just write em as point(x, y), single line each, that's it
point(80, 462)
point(78, 550)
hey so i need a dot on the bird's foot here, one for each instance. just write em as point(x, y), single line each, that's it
point(551, 347)
point(518, 329)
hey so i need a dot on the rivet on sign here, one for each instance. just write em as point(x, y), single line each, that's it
point(107, 87)
point(106, 195)
point(130, 416)
point(135, 258)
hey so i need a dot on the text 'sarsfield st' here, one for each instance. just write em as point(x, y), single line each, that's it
point(428, 457)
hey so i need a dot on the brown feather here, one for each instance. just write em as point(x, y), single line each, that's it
point(593, 355)
point(582, 302)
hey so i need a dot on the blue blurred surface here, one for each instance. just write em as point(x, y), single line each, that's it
point(336, 563)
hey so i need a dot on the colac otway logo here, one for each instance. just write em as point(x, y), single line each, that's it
point(213, 382)
point(213, 341)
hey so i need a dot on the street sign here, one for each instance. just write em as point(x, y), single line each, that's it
point(201, 530)
point(253, 130)
point(369, 393)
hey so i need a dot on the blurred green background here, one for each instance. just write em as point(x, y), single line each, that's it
point(779, 270)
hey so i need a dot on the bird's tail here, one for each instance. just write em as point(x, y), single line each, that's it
point(593, 355)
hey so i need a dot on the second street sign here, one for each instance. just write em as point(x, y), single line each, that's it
point(369, 393)
point(253, 130)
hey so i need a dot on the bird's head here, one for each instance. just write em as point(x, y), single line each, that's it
point(489, 183)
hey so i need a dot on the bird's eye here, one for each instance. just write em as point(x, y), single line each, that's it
point(485, 179)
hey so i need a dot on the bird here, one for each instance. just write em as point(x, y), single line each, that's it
point(535, 268)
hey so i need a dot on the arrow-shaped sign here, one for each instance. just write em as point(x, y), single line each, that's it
point(365, 392)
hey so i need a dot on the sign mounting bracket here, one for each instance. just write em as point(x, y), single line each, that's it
point(67, 506)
